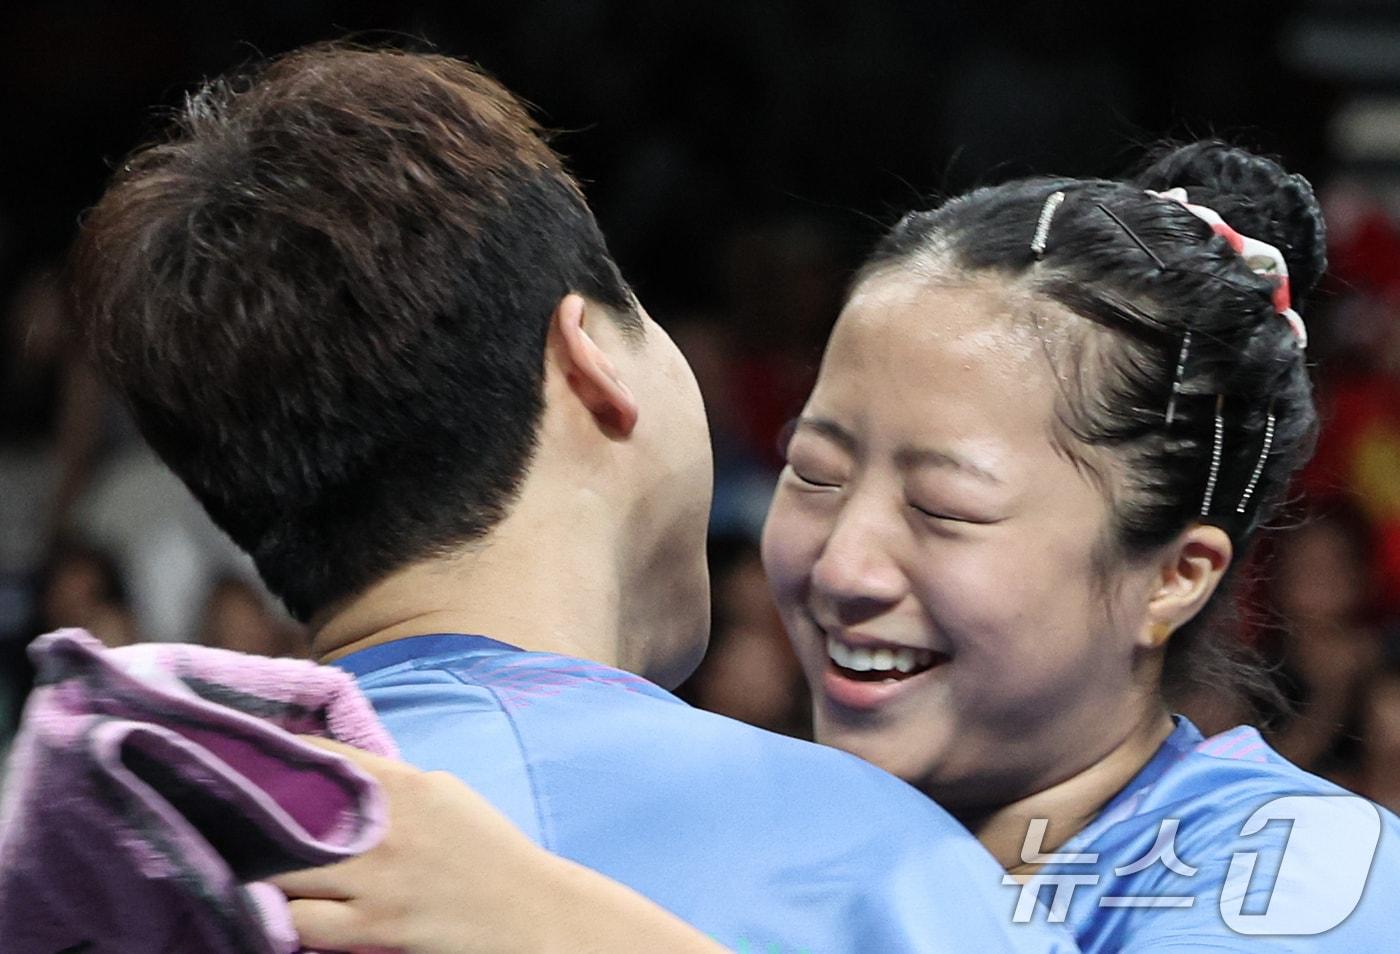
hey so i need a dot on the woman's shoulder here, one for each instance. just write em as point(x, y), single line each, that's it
point(1222, 793)
point(1227, 779)
point(1235, 843)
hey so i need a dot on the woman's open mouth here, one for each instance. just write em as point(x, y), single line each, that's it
point(877, 663)
point(867, 675)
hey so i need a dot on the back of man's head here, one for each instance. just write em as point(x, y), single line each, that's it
point(326, 297)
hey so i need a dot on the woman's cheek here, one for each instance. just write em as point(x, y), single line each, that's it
point(790, 547)
point(964, 587)
point(980, 602)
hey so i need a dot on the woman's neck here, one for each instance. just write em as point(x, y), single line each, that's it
point(1069, 805)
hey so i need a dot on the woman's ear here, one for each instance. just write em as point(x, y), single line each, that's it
point(590, 373)
point(1189, 574)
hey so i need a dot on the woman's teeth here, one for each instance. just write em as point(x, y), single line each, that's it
point(882, 660)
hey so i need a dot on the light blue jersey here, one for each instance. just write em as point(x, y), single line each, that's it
point(1221, 844)
point(768, 844)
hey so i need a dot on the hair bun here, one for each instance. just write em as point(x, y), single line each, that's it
point(1256, 196)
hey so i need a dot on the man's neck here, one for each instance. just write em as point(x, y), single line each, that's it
point(1071, 804)
point(534, 597)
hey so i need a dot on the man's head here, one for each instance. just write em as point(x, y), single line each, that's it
point(329, 297)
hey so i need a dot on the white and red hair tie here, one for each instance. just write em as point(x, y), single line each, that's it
point(1261, 257)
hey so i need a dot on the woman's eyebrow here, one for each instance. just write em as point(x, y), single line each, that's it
point(829, 429)
point(910, 458)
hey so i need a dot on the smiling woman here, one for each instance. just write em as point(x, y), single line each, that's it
point(942, 520)
point(1049, 421)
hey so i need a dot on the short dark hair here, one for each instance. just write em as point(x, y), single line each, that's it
point(326, 296)
point(1144, 272)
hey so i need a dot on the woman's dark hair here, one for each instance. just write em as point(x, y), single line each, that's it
point(1145, 272)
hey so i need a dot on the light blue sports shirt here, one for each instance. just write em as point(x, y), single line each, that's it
point(767, 844)
point(1221, 844)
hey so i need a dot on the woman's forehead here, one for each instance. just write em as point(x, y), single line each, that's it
point(972, 386)
point(971, 338)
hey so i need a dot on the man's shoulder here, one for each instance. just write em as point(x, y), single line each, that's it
point(758, 838)
point(583, 725)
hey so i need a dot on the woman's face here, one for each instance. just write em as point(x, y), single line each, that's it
point(931, 552)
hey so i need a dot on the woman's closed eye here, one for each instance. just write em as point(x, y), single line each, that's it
point(937, 515)
point(814, 464)
point(944, 515)
point(815, 478)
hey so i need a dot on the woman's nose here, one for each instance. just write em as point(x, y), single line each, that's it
point(856, 574)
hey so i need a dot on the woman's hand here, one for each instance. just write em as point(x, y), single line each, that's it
point(454, 876)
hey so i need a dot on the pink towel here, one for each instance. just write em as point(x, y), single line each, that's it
point(151, 787)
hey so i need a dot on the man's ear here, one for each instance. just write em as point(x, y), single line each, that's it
point(590, 373)
point(1189, 574)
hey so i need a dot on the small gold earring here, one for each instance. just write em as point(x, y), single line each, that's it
point(1161, 632)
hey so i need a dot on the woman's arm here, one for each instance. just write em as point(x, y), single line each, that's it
point(454, 876)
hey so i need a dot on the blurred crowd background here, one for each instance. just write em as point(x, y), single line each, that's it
point(741, 157)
